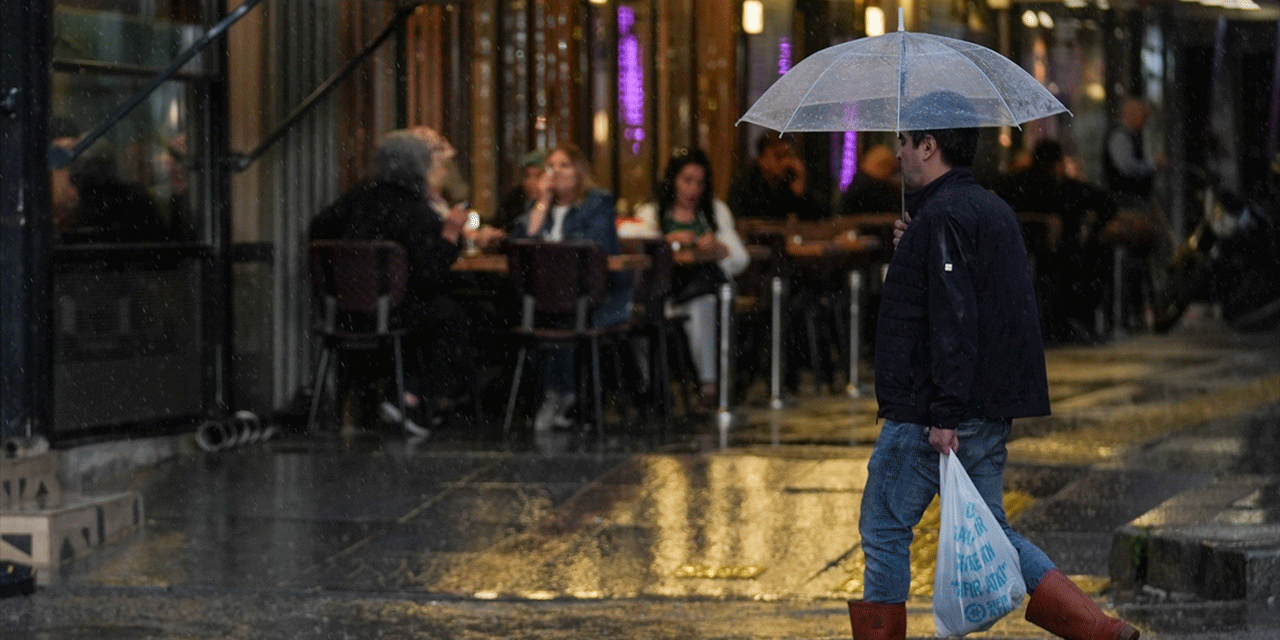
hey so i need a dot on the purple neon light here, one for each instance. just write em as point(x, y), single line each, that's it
point(630, 79)
point(784, 55)
point(849, 159)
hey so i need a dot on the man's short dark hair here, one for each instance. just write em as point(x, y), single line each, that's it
point(959, 144)
point(768, 139)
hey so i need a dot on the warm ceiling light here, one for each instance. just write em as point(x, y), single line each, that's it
point(1046, 20)
point(753, 16)
point(998, 4)
point(1029, 19)
point(875, 21)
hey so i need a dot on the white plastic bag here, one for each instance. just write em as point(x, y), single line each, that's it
point(978, 578)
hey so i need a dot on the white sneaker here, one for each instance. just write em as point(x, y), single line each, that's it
point(391, 413)
point(561, 418)
point(547, 412)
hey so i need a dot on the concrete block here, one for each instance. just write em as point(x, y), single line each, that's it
point(1127, 562)
point(29, 482)
point(44, 539)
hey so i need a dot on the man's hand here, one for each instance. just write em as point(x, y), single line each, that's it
point(488, 238)
point(944, 440)
point(900, 227)
point(538, 215)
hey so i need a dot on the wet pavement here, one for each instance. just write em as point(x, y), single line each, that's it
point(368, 536)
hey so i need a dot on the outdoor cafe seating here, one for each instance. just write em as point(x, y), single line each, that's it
point(531, 277)
point(357, 283)
point(559, 284)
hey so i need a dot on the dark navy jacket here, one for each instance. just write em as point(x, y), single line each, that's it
point(958, 335)
point(593, 219)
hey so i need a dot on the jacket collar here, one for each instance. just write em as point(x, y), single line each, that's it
point(916, 199)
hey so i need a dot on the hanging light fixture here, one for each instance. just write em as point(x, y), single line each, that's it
point(753, 16)
point(874, 17)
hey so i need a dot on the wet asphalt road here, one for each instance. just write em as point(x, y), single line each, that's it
point(371, 537)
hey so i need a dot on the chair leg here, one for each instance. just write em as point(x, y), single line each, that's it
point(620, 390)
point(317, 389)
point(515, 388)
point(596, 390)
point(815, 361)
point(399, 364)
point(688, 373)
point(662, 377)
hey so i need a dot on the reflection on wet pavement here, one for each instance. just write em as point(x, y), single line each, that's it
point(770, 518)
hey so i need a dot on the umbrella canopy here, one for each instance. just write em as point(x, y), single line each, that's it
point(889, 82)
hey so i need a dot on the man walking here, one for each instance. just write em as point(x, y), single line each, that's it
point(958, 356)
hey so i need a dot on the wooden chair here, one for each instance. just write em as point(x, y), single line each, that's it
point(559, 285)
point(650, 319)
point(358, 284)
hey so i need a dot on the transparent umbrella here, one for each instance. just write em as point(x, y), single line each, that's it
point(902, 81)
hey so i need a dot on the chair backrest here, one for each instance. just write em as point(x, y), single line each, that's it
point(653, 285)
point(359, 282)
point(559, 278)
point(754, 281)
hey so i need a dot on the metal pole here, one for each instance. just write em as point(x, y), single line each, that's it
point(855, 324)
point(775, 353)
point(724, 417)
point(1117, 291)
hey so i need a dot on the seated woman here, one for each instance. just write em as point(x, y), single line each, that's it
point(571, 207)
point(687, 213)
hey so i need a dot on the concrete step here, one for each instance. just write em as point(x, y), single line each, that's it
point(1219, 542)
point(29, 482)
point(45, 538)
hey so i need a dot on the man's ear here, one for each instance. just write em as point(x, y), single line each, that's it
point(928, 147)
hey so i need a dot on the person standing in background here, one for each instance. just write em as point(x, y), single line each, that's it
point(1130, 172)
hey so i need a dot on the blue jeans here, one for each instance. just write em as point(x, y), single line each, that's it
point(902, 479)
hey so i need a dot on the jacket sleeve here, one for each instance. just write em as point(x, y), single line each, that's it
point(736, 262)
point(430, 256)
point(953, 319)
point(602, 221)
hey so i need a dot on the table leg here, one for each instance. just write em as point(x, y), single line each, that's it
point(855, 329)
point(775, 353)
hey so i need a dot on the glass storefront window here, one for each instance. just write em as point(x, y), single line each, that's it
point(131, 272)
point(136, 183)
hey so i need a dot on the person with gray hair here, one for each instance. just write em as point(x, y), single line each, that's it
point(402, 202)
